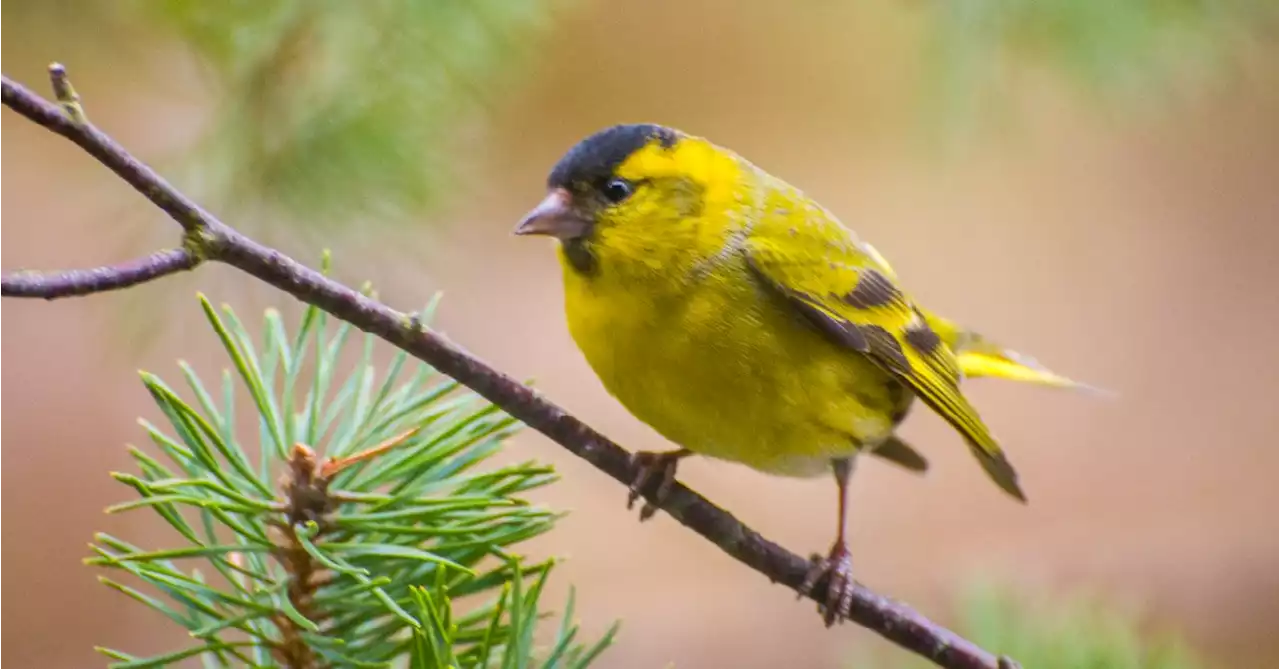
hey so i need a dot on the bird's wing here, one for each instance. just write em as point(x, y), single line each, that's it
point(850, 293)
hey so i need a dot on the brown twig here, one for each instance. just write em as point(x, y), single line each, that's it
point(76, 282)
point(305, 487)
point(305, 499)
point(215, 240)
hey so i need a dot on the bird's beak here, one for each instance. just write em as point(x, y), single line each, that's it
point(554, 217)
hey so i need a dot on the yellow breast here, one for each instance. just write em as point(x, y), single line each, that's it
point(717, 364)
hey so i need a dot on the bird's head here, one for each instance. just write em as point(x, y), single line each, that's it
point(639, 197)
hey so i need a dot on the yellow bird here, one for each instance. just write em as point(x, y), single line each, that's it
point(743, 322)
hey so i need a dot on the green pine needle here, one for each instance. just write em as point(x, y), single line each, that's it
point(319, 545)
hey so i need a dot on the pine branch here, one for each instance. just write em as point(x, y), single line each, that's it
point(212, 239)
point(361, 557)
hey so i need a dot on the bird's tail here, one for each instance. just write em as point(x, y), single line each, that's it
point(979, 356)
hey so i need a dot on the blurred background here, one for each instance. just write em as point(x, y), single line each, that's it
point(1086, 181)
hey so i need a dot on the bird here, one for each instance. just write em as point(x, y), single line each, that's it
point(744, 322)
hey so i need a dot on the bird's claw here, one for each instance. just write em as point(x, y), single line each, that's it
point(838, 568)
point(648, 465)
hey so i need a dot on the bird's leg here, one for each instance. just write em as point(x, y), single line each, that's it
point(837, 566)
point(650, 464)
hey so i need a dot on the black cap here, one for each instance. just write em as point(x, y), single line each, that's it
point(595, 158)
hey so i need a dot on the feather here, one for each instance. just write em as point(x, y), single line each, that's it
point(850, 294)
point(981, 357)
point(902, 454)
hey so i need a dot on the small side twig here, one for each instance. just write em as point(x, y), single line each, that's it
point(65, 94)
point(77, 282)
point(212, 239)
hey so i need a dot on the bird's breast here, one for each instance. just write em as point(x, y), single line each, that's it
point(718, 367)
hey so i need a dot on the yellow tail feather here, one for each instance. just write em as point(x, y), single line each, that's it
point(979, 357)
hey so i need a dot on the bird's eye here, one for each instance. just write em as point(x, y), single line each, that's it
point(617, 190)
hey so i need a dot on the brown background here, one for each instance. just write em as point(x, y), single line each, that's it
point(1130, 246)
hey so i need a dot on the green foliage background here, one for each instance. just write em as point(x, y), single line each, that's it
point(337, 110)
point(1051, 633)
point(353, 112)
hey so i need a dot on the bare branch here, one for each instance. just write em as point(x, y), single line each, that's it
point(216, 241)
point(76, 282)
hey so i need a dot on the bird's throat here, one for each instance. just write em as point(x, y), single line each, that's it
point(578, 255)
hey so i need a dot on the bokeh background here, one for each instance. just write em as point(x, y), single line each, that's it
point(1087, 181)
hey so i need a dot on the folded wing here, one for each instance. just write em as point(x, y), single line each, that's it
point(845, 289)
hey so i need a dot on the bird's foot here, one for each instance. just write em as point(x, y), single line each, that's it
point(650, 464)
point(838, 568)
